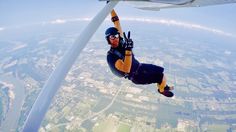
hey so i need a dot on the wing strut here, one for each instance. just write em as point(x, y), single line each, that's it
point(47, 93)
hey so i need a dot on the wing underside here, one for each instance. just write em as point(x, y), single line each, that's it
point(162, 4)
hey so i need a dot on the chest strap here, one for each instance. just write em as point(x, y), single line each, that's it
point(117, 53)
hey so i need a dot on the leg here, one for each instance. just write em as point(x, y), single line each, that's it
point(165, 89)
point(162, 85)
point(148, 74)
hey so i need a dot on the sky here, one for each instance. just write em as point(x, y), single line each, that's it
point(16, 13)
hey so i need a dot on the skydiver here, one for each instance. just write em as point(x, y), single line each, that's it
point(122, 62)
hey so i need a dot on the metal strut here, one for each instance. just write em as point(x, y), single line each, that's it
point(40, 107)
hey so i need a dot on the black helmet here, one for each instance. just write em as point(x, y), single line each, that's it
point(111, 31)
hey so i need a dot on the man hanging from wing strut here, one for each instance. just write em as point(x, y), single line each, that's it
point(122, 62)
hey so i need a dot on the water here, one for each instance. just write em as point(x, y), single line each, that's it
point(12, 116)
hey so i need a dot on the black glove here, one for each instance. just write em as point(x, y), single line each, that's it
point(129, 44)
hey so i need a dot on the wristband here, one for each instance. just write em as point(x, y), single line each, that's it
point(115, 18)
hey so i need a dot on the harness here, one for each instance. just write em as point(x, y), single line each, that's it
point(126, 75)
point(131, 75)
point(117, 53)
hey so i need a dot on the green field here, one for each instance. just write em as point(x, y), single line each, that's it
point(217, 128)
point(111, 124)
point(123, 128)
point(106, 126)
point(168, 113)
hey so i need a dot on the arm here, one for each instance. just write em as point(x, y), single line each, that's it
point(117, 22)
point(122, 65)
point(125, 66)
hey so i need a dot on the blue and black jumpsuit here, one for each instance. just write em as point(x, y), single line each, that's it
point(140, 73)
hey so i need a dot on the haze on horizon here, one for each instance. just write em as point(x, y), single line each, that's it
point(27, 12)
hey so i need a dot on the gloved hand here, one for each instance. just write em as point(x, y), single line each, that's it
point(129, 44)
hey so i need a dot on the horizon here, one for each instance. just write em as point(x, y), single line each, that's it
point(27, 12)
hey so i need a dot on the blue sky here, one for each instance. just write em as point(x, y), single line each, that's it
point(25, 12)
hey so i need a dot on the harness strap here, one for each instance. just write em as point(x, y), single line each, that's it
point(131, 75)
point(117, 53)
point(126, 75)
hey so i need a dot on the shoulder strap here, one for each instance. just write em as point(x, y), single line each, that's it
point(117, 53)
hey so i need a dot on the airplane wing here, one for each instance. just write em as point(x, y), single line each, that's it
point(164, 4)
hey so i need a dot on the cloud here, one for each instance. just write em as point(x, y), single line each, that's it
point(151, 20)
point(82, 19)
point(181, 24)
point(2, 28)
point(227, 52)
point(58, 21)
point(44, 41)
point(63, 21)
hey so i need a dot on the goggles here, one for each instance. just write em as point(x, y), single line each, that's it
point(112, 37)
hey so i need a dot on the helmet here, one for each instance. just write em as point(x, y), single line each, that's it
point(111, 31)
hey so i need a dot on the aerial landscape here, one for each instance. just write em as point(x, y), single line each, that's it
point(199, 63)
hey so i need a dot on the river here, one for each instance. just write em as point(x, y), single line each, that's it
point(10, 123)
